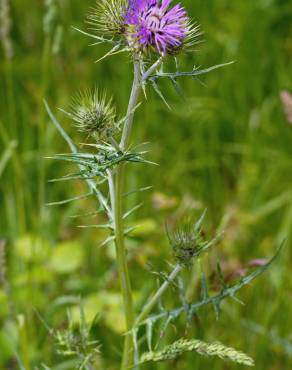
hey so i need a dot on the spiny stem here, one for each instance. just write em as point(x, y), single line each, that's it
point(154, 66)
point(136, 88)
point(115, 144)
point(117, 189)
point(153, 301)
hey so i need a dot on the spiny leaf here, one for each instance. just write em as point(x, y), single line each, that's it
point(156, 88)
point(165, 325)
point(146, 188)
point(149, 334)
point(132, 111)
point(66, 201)
point(221, 276)
point(215, 300)
point(205, 292)
point(178, 89)
point(60, 128)
point(109, 239)
point(195, 72)
point(182, 292)
point(135, 345)
point(99, 38)
point(89, 214)
point(199, 223)
point(76, 176)
point(98, 164)
point(91, 184)
point(128, 230)
point(105, 226)
point(115, 50)
point(131, 211)
point(105, 147)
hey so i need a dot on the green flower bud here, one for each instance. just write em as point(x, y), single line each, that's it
point(107, 17)
point(94, 114)
point(185, 243)
point(188, 241)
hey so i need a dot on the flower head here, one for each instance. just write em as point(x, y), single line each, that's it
point(188, 241)
point(154, 24)
point(94, 114)
point(185, 243)
point(107, 17)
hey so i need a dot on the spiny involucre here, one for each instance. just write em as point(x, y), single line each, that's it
point(94, 114)
point(107, 17)
point(187, 241)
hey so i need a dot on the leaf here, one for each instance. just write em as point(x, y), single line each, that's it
point(63, 133)
point(90, 183)
point(199, 223)
point(66, 201)
point(194, 73)
point(149, 334)
point(97, 226)
point(132, 210)
point(215, 300)
point(178, 89)
point(115, 50)
point(157, 90)
point(205, 291)
point(99, 38)
point(141, 190)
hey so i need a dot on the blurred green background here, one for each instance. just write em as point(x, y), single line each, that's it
point(228, 147)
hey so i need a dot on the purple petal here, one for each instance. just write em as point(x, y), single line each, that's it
point(157, 25)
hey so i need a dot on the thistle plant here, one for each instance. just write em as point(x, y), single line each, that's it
point(151, 32)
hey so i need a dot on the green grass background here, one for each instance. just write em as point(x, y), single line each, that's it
point(228, 147)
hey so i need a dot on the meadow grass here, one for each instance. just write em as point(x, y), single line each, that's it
point(227, 147)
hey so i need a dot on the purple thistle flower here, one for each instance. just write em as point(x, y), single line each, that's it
point(156, 25)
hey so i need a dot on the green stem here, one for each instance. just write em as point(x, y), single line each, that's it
point(136, 88)
point(153, 301)
point(116, 190)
